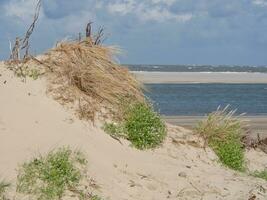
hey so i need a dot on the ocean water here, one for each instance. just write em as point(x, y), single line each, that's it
point(197, 68)
point(201, 99)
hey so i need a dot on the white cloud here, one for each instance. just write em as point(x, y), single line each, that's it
point(20, 9)
point(166, 2)
point(162, 14)
point(150, 10)
point(261, 3)
point(122, 8)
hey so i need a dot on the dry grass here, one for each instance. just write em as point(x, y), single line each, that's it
point(223, 132)
point(87, 76)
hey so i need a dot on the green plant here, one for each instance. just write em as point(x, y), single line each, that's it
point(24, 71)
point(143, 126)
point(95, 197)
point(140, 125)
point(116, 130)
point(223, 132)
point(51, 176)
point(260, 174)
point(3, 188)
point(34, 74)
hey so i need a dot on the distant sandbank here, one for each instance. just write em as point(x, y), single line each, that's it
point(201, 77)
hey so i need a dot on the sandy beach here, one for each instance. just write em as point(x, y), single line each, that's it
point(201, 77)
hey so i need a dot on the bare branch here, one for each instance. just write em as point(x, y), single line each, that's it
point(25, 41)
point(15, 53)
point(89, 30)
point(99, 36)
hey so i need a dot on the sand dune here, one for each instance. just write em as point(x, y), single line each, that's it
point(33, 123)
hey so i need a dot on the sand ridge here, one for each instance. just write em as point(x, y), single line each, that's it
point(201, 77)
point(31, 123)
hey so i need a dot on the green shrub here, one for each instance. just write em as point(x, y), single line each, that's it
point(144, 127)
point(141, 126)
point(260, 174)
point(50, 176)
point(222, 132)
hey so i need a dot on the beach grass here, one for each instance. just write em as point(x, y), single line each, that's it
point(88, 76)
point(141, 126)
point(50, 176)
point(222, 131)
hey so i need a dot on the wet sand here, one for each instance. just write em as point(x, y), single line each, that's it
point(258, 124)
point(201, 77)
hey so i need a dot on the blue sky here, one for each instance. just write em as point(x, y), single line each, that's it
point(217, 32)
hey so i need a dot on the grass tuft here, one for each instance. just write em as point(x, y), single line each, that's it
point(3, 188)
point(223, 132)
point(87, 76)
point(141, 125)
point(95, 197)
point(260, 174)
point(51, 176)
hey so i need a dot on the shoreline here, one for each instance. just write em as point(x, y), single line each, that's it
point(257, 123)
point(200, 77)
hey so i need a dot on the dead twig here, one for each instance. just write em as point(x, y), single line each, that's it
point(24, 44)
point(99, 36)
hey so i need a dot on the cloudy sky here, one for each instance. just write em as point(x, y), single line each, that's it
point(150, 31)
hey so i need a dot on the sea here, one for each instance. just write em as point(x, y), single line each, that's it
point(199, 99)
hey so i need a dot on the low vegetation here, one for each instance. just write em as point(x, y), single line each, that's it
point(4, 186)
point(223, 133)
point(25, 71)
point(260, 174)
point(141, 125)
point(54, 175)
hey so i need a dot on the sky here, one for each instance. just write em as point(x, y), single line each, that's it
point(215, 32)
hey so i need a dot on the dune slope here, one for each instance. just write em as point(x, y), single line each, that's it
point(32, 122)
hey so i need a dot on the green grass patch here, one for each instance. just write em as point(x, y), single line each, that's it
point(141, 125)
point(49, 177)
point(222, 132)
point(260, 174)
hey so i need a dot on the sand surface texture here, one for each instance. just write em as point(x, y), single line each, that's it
point(33, 123)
